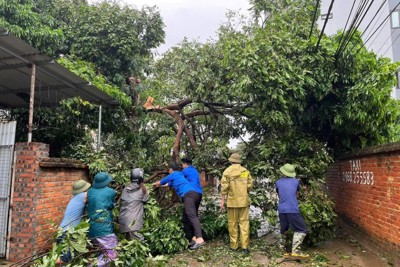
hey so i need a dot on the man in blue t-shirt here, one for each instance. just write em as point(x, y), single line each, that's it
point(288, 208)
point(192, 175)
point(185, 190)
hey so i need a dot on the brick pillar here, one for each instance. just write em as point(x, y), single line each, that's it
point(23, 229)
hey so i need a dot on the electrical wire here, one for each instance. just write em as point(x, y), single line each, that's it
point(390, 13)
point(392, 44)
point(387, 39)
point(362, 13)
point(369, 24)
point(313, 20)
point(376, 37)
point(323, 28)
point(349, 31)
point(358, 24)
point(380, 25)
point(347, 21)
point(380, 15)
point(376, 13)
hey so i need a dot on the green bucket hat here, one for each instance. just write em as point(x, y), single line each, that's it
point(288, 170)
point(101, 180)
point(235, 158)
point(79, 187)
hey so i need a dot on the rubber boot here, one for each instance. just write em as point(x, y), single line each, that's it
point(298, 239)
point(283, 243)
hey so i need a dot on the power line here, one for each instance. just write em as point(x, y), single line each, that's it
point(390, 13)
point(313, 20)
point(347, 21)
point(369, 46)
point(378, 17)
point(351, 11)
point(349, 31)
point(380, 25)
point(369, 24)
point(384, 42)
point(357, 23)
point(392, 43)
point(323, 28)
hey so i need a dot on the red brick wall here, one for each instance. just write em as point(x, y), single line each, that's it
point(365, 187)
point(42, 189)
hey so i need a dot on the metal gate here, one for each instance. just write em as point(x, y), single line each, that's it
point(7, 140)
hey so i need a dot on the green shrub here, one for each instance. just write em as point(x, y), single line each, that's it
point(214, 222)
point(255, 224)
point(166, 236)
point(163, 229)
point(318, 212)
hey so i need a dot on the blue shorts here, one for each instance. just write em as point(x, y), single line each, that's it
point(294, 220)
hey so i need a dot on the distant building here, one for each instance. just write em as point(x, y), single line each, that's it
point(384, 42)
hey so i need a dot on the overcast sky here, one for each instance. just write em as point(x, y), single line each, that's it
point(195, 19)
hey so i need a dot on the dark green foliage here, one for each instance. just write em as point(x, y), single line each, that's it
point(136, 253)
point(131, 253)
point(255, 224)
point(163, 229)
point(214, 222)
point(74, 241)
point(273, 66)
point(318, 212)
point(166, 237)
point(116, 37)
point(87, 71)
point(23, 20)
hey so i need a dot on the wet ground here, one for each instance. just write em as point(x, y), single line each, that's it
point(4, 263)
point(343, 251)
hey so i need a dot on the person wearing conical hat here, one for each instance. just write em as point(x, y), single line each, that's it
point(73, 213)
point(101, 201)
point(287, 188)
point(236, 184)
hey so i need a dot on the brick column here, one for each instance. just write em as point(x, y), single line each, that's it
point(23, 232)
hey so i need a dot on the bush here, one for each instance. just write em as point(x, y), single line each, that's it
point(214, 222)
point(318, 212)
point(163, 230)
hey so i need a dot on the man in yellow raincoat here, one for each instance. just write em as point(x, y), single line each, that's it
point(236, 183)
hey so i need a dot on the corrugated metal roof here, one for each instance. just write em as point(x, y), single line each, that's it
point(7, 133)
point(53, 81)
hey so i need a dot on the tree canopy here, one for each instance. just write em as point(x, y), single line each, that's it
point(269, 80)
point(263, 76)
point(118, 38)
point(23, 20)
